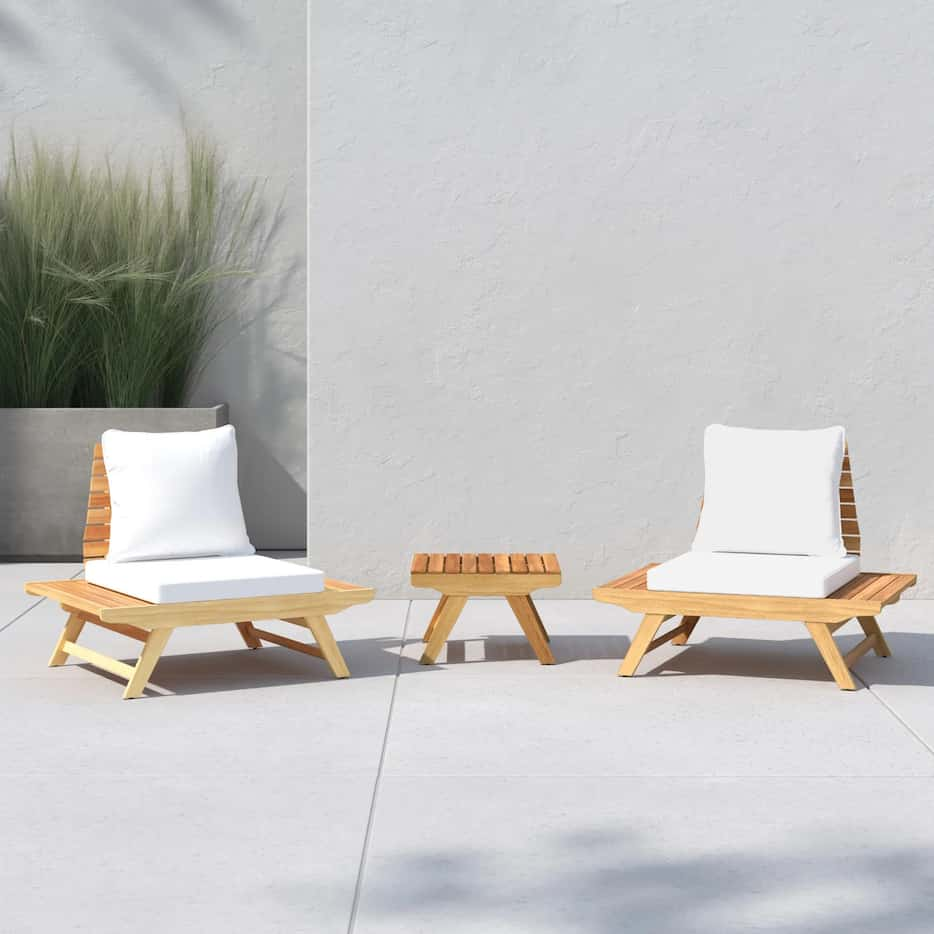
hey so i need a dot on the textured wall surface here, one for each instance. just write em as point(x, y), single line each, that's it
point(553, 241)
point(45, 462)
point(116, 77)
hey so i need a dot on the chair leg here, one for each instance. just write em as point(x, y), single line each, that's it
point(249, 635)
point(640, 643)
point(73, 626)
point(152, 649)
point(538, 620)
point(434, 619)
point(326, 642)
point(689, 622)
point(442, 628)
point(871, 628)
point(821, 635)
point(524, 609)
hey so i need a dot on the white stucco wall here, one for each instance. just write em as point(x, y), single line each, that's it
point(115, 77)
point(552, 241)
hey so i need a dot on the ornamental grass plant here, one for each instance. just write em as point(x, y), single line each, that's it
point(112, 282)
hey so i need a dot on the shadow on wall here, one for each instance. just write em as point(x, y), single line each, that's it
point(17, 38)
point(169, 20)
point(274, 502)
point(129, 27)
point(128, 33)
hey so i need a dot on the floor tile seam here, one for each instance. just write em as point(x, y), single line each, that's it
point(32, 606)
point(897, 716)
point(107, 774)
point(652, 776)
point(21, 614)
point(365, 849)
point(191, 775)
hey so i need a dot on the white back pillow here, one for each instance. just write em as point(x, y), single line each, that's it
point(772, 492)
point(174, 494)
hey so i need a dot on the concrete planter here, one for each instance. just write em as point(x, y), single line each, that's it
point(45, 467)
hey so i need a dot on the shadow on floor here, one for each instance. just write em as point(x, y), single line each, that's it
point(911, 662)
point(270, 666)
point(516, 648)
point(605, 881)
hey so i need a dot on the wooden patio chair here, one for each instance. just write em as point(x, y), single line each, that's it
point(862, 598)
point(153, 623)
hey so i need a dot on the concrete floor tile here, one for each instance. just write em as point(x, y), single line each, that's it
point(747, 698)
point(13, 599)
point(905, 680)
point(256, 850)
point(222, 705)
point(649, 856)
point(730, 787)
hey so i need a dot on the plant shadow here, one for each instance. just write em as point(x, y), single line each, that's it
point(600, 880)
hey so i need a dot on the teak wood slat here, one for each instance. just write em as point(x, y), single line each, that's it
point(862, 598)
point(518, 564)
point(153, 623)
point(513, 576)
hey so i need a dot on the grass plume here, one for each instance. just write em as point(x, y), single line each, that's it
point(112, 282)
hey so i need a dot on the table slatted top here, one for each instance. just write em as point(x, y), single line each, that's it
point(469, 563)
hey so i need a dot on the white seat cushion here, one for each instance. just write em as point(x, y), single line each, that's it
point(184, 580)
point(763, 575)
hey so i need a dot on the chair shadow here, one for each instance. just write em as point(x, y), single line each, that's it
point(911, 661)
point(244, 669)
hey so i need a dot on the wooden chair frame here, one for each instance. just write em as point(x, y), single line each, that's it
point(461, 576)
point(153, 623)
point(863, 599)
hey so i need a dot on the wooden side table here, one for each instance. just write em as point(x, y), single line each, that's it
point(460, 576)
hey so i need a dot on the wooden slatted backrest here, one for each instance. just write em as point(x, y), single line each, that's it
point(97, 527)
point(848, 520)
point(849, 523)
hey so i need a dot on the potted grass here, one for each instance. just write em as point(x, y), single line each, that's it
point(111, 287)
